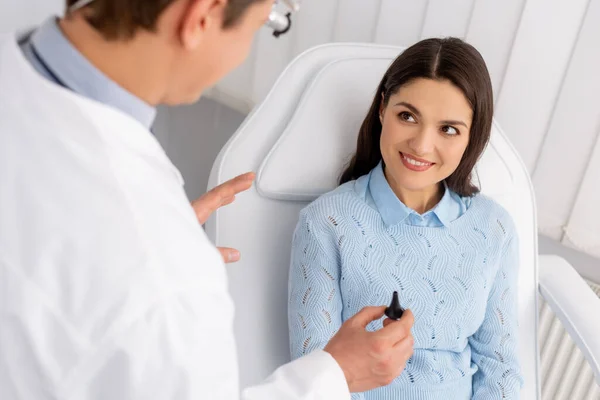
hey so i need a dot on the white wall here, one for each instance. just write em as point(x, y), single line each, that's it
point(21, 14)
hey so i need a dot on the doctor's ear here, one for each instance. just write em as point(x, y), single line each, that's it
point(198, 18)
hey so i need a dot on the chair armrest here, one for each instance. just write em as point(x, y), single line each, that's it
point(575, 305)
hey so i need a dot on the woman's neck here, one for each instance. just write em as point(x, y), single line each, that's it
point(421, 200)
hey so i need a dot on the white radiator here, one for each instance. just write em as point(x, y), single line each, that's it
point(564, 372)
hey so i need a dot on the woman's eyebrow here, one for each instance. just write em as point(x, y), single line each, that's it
point(416, 111)
point(412, 108)
point(453, 122)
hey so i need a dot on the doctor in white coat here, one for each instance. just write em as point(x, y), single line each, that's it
point(109, 288)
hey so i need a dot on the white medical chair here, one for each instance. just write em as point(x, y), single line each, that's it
point(298, 140)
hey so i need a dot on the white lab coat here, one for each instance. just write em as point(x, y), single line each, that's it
point(109, 288)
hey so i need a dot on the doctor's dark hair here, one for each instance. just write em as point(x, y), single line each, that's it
point(448, 59)
point(121, 19)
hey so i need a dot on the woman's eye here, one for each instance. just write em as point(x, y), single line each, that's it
point(449, 130)
point(406, 116)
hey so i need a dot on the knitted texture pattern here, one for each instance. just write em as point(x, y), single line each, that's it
point(459, 281)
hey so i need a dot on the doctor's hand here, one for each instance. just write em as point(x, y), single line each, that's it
point(220, 196)
point(372, 359)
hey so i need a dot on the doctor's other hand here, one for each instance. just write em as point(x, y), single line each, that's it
point(220, 196)
point(372, 359)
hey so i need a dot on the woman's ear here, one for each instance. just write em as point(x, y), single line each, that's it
point(381, 107)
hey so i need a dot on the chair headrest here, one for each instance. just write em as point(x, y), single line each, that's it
point(321, 136)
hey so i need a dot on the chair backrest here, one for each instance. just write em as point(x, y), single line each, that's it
point(298, 139)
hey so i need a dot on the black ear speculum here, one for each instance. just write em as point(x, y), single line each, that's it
point(394, 311)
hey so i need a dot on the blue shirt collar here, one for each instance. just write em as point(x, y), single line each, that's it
point(76, 73)
point(394, 212)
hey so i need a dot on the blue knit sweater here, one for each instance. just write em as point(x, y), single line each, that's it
point(459, 280)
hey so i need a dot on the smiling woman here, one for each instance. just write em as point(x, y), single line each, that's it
point(408, 219)
point(453, 85)
point(423, 138)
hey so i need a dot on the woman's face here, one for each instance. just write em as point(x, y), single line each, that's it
point(426, 127)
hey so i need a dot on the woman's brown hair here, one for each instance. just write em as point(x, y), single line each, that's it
point(441, 59)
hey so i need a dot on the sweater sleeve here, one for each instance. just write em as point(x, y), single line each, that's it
point(494, 345)
point(315, 302)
